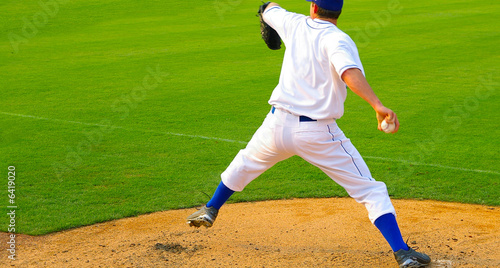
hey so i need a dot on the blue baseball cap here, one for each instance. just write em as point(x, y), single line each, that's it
point(333, 5)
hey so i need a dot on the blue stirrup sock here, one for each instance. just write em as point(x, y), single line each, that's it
point(221, 195)
point(389, 228)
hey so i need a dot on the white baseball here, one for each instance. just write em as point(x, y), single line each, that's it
point(387, 128)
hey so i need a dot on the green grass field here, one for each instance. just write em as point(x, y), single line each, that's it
point(112, 109)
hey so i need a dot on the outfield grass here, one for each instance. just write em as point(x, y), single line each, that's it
point(111, 109)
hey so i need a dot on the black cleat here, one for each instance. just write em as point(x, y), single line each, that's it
point(410, 258)
point(203, 217)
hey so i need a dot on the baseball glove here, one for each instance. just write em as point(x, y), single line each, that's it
point(270, 36)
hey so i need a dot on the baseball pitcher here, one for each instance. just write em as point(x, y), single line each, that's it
point(320, 62)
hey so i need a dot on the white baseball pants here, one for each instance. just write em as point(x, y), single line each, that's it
point(320, 143)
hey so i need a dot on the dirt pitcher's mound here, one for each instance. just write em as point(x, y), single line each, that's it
point(333, 232)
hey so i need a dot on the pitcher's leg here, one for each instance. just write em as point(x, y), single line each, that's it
point(335, 155)
point(261, 153)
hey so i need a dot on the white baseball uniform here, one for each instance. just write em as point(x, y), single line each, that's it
point(306, 102)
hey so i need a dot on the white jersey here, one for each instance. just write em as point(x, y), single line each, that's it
point(317, 53)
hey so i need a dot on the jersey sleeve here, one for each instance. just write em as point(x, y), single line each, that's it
point(344, 55)
point(281, 20)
